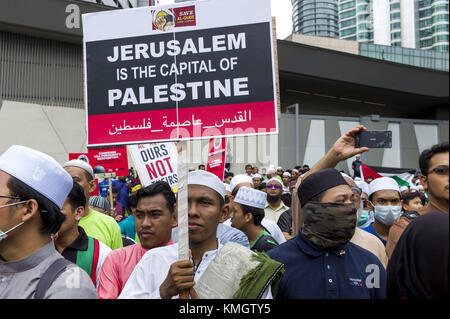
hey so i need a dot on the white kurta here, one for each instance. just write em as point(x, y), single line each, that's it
point(152, 270)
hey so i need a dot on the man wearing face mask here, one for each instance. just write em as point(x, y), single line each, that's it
point(361, 237)
point(366, 217)
point(321, 262)
point(33, 188)
point(386, 203)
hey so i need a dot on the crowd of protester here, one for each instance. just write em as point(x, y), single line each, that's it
point(319, 233)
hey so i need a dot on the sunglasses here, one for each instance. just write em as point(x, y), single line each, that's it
point(273, 186)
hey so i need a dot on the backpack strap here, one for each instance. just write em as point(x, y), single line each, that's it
point(49, 276)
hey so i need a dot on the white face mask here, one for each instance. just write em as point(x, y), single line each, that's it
point(361, 215)
point(387, 215)
point(3, 235)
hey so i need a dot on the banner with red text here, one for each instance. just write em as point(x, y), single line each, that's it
point(113, 159)
point(156, 162)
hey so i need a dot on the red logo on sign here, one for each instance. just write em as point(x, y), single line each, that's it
point(185, 16)
point(166, 20)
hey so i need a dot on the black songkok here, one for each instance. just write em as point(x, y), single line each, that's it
point(319, 182)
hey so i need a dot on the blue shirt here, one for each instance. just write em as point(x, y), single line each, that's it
point(103, 187)
point(127, 227)
point(124, 192)
point(343, 273)
point(224, 233)
point(370, 229)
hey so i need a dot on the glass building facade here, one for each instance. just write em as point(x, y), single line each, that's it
point(316, 17)
point(407, 23)
point(356, 20)
point(430, 59)
point(433, 24)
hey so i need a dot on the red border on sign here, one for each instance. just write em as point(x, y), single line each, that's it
point(160, 125)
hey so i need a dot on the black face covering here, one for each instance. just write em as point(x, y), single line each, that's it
point(319, 182)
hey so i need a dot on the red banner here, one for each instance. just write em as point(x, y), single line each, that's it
point(216, 157)
point(114, 159)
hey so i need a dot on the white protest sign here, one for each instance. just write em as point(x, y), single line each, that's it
point(180, 72)
point(156, 162)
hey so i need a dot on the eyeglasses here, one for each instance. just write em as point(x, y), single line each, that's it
point(11, 204)
point(440, 170)
point(9, 197)
point(273, 186)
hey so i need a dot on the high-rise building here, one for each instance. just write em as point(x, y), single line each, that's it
point(356, 20)
point(415, 24)
point(433, 24)
point(316, 17)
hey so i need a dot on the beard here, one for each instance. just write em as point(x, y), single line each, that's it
point(273, 198)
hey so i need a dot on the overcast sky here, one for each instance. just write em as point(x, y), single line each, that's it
point(281, 9)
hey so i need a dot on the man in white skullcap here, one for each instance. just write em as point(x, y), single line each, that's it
point(362, 238)
point(248, 212)
point(33, 188)
point(286, 179)
point(257, 180)
point(97, 225)
point(159, 274)
point(225, 232)
point(240, 181)
point(385, 201)
point(274, 206)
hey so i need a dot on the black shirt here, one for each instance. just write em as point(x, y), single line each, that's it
point(285, 222)
point(81, 243)
point(264, 242)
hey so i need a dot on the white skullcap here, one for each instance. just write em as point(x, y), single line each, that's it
point(364, 186)
point(227, 187)
point(204, 178)
point(403, 188)
point(345, 175)
point(251, 197)
point(383, 183)
point(287, 174)
point(39, 171)
point(274, 179)
point(257, 176)
point(80, 164)
point(279, 167)
point(238, 179)
point(295, 170)
point(271, 170)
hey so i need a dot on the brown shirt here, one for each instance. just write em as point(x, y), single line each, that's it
point(400, 225)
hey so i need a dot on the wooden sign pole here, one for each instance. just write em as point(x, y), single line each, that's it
point(182, 207)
